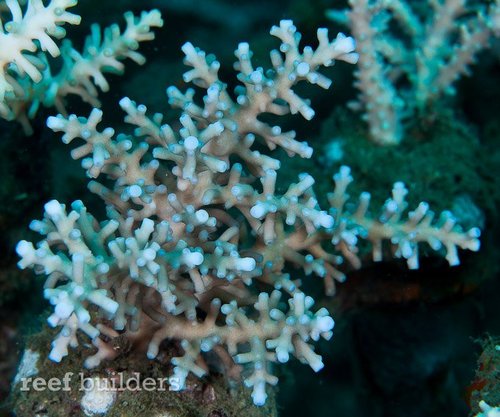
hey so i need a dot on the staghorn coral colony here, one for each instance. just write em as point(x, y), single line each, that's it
point(197, 237)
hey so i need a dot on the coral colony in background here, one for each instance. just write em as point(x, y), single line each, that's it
point(28, 81)
point(400, 77)
point(198, 241)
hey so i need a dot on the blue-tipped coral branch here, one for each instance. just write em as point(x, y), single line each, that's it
point(28, 80)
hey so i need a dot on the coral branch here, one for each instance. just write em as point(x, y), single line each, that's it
point(408, 60)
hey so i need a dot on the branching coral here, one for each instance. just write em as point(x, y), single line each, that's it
point(198, 241)
point(410, 56)
point(29, 80)
point(17, 37)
